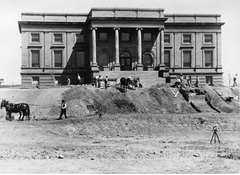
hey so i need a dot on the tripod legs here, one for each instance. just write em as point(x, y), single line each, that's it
point(214, 137)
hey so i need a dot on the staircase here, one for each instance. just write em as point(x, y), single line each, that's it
point(147, 78)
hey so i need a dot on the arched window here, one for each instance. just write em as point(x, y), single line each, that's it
point(102, 60)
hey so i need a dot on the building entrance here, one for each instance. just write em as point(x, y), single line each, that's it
point(125, 61)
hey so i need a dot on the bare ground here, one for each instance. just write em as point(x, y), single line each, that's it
point(120, 142)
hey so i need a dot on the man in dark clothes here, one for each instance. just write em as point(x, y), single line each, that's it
point(63, 110)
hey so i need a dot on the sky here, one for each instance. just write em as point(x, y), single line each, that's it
point(10, 14)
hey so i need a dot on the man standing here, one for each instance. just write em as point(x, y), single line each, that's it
point(78, 79)
point(68, 81)
point(63, 110)
point(106, 82)
point(235, 81)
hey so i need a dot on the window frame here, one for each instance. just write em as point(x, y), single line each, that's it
point(129, 37)
point(38, 51)
point(31, 38)
point(84, 63)
point(204, 53)
point(54, 38)
point(169, 51)
point(184, 51)
point(77, 40)
point(204, 38)
point(102, 40)
point(167, 34)
point(151, 36)
point(183, 37)
point(54, 53)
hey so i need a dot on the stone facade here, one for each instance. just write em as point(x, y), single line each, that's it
point(107, 41)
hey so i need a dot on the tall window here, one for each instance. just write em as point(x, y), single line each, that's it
point(167, 58)
point(80, 56)
point(103, 37)
point(208, 59)
point(147, 36)
point(167, 38)
point(125, 37)
point(35, 58)
point(208, 38)
point(58, 58)
point(35, 38)
point(58, 38)
point(186, 58)
point(187, 38)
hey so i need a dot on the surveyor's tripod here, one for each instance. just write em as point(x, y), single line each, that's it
point(215, 135)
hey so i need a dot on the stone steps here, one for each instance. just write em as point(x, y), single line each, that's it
point(147, 78)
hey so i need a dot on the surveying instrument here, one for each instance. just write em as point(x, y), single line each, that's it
point(215, 135)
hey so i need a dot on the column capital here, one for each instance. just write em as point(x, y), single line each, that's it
point(93, 28)
point(161, 29)
point(116, 28)
point(139, 28)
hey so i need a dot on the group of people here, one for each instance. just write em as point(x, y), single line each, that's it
point(185, 81)
point(99, 79)
point(78, 80)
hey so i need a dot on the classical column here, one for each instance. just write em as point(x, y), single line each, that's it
point(94, 50)
point(139, 65)
point(162, 65)
point(117, 65)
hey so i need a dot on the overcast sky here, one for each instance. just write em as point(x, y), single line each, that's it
point(10, 14)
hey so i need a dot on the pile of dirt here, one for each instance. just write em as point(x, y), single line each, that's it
point(88, 100)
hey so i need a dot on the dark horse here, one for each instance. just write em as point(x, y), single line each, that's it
point(123, 83)
point(21, 108)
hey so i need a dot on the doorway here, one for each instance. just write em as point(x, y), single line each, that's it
point(125, 61)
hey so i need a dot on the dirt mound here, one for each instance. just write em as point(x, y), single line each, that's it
point(88, 100)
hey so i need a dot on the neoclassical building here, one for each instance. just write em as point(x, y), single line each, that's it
point(117, 42)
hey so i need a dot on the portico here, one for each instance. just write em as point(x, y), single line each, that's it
point(126, 41)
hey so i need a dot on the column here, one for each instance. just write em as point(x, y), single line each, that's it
point(158, 49)
point(117, 65)
point(94, 50)
point(162, 65)
point(139, 65)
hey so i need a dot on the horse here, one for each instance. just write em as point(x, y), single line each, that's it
point(22, 108)
point(134, 82)
point(123, 83)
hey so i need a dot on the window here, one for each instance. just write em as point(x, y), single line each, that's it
point(187, 38)
point(167, 58)
point(209, 79)
point(58, 38)
point(80, 38)
point(35, 58)
point(208, 58)
point(125, 37)
point(147, 37)
point(167, 38)
point(35, 37)
point(80, 58)
point(58, 80)
point(103, 37)
point(208, 38)
point(58, 58)
point(186, 58)
point(35, 81)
